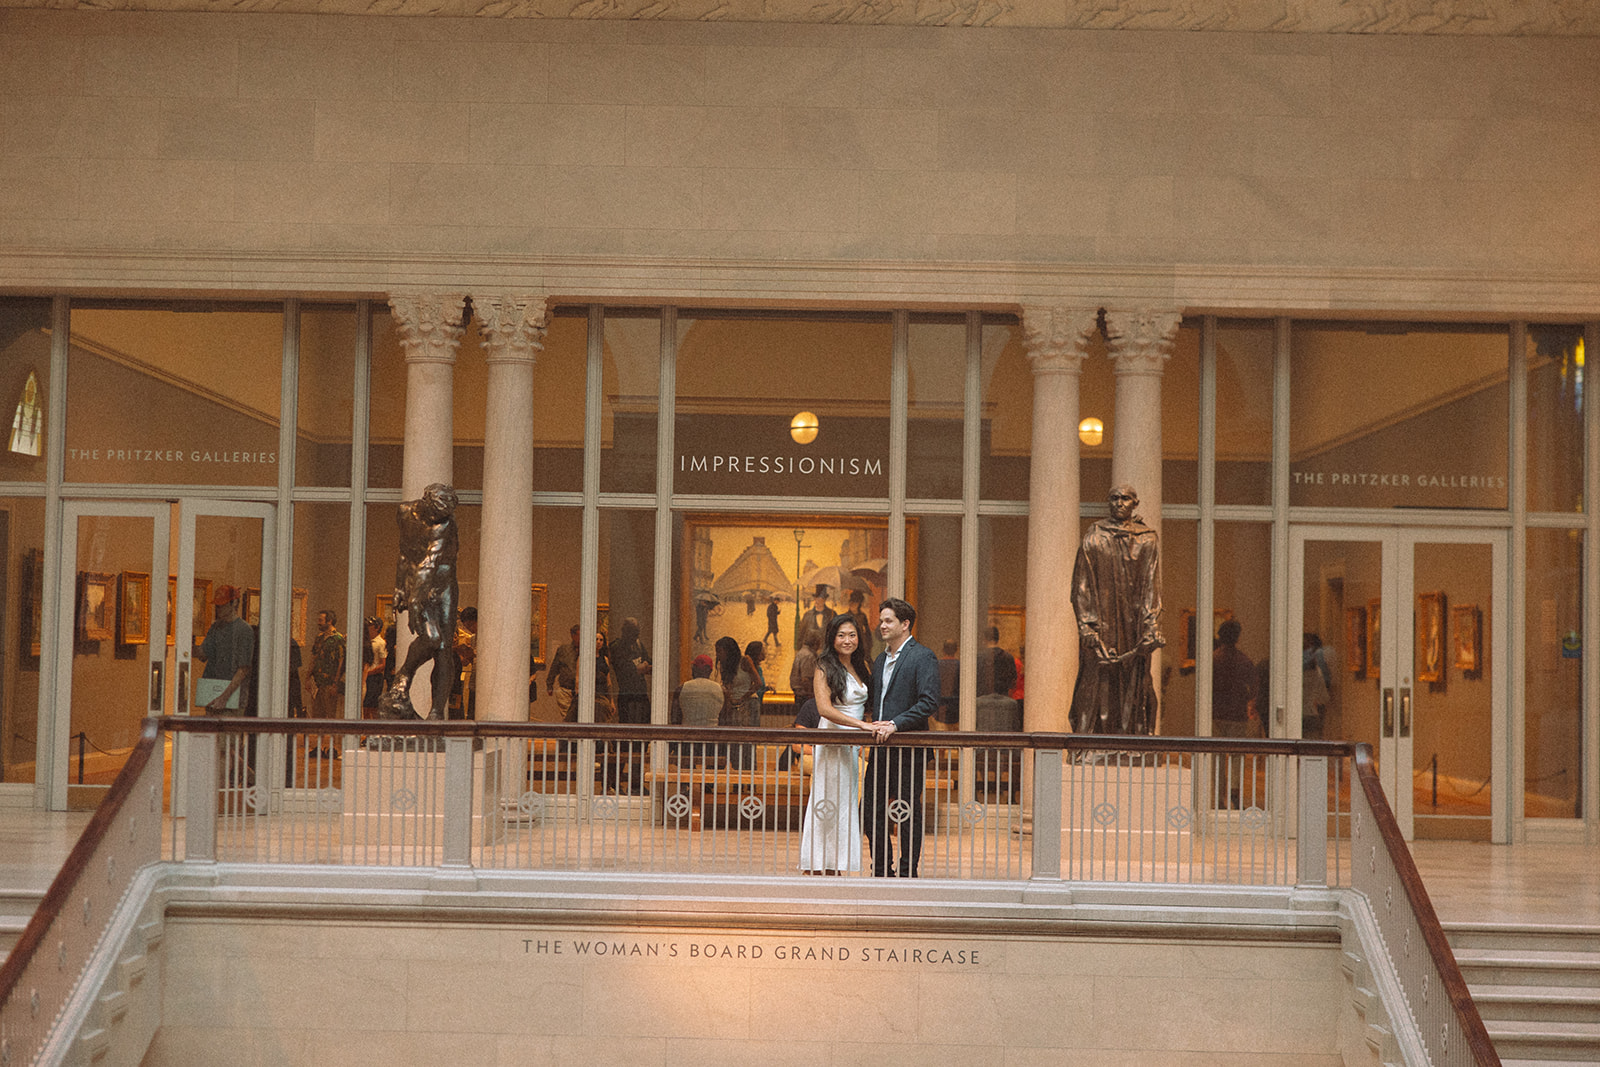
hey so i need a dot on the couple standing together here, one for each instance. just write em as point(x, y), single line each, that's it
point(898, 692)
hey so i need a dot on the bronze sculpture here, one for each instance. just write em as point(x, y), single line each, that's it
point(1116, 591)
point(425, 588)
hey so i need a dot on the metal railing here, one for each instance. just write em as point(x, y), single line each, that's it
point(514, 796)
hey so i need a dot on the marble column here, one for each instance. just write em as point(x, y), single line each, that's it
point(429, 324)
point(513, 326)
point(430, 335)
point(1057, 339)
point(1141, 344)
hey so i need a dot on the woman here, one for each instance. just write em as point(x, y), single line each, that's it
point(830, 837)
point(374, 654)
point(755, 653)
point(738, 677)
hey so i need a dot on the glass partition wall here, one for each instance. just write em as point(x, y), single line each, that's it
point(752, 473)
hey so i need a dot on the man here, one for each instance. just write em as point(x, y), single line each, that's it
point(901, 695)
point(630, 660)
point(464, 696)
point(1233, 686)
point(561, 679)
point(425, 589)
point(815, 621)
point(227, 651)
point(326, 674)
point(700, 699)
point(997, 671)
point(1116, 591)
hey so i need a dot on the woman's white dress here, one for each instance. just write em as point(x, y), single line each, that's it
point(830, 837)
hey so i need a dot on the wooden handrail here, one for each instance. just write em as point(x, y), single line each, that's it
point(1433, 935)
point(66, 879)
point(723, 735)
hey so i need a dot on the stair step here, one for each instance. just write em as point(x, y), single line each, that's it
point(1491, 967)
point(1534, 937)
point(1535, 1003)
point(1562, 1042)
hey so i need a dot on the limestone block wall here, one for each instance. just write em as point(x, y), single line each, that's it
point(301, 152)
point(293, 991)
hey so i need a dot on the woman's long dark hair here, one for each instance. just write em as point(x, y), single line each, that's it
point(729, 659)
point(833, 668)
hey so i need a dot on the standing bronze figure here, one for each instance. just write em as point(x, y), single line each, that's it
point(1116, 591)
point(425, 588)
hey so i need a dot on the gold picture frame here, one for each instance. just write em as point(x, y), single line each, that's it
point(1355, 640)
point(299, 606)
point(1466, 638)
point(1374, 638)
point(251, 608)
point(1431, 637)
point(172, 609)
point(97, 605)
point(541, 624)
point(33, 603)
point(383, 608)
point(202, 612)
point(133, 609)
point(1012, 622)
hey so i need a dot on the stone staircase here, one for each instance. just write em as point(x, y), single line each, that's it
point(1537, 988)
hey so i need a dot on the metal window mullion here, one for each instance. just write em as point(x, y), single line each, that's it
point(1287, 646)
point(661, 613)
point(276, 663)
point(589, 580)
point(971, 461)
point(1511, 619)
point(50, 787)
point(1591, 597)
point(899, 378)
point(1206, 530)
point(360, 439)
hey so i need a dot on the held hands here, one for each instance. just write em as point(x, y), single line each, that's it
point(880, 730)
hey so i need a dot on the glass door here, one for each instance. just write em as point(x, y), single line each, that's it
point(1401, 647)
point(111, 641)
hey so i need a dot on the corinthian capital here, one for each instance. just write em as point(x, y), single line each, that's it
point(1141, 340)
point(429, 324)
point(513, 325)
point(1058, 338)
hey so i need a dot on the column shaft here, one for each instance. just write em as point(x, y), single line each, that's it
point(514, 329)
point(1057, 339)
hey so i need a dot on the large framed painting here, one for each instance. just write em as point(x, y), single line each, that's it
point(754, 578)
point(1430, 637)
point(541, 625)
point(1466, 638)
point(133, 612)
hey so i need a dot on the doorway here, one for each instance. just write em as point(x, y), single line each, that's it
point(1402, 647)
point(126, 637)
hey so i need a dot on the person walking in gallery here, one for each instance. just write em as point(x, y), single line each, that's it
point(561, 678)
point(327, 667)
point(374, 654)
point(1233, 686)
point(755, 654)
point(227, 650)
point(631, 662)
point(830, 834)
point(805, 665)
point(772, 623)
point(904, 691)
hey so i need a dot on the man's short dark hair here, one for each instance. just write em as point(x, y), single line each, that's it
point(469, 615)
point(902, 610)
point(1228, 632)
point(333, 619)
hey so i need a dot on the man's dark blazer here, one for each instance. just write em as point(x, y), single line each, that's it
point(913, 693)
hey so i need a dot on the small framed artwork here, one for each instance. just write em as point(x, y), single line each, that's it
point(1466, 638)
point(97, 604)
point(200, 620)
point(1355, 640)
point(133, 612)
point(541, 624)
point(300, 600)
point(383, 607)
point(1374, 637)
point(1430, 637)
point(602, 621)
point(252, 607)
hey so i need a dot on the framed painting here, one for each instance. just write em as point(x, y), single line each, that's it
point(1355, 640)
point(1186, 628)
point(1430, 637)
point(1466, 638)
point(133, 611)
point(383, 607)
point(755, 577)
point(33, 602)
point(1012, 623)
point(200, 621)
point(1374, 637)
point(172, 608)
point(300, 600)
point(602, 621)
point(252, 607)
point(541, 621)
point(97, 604)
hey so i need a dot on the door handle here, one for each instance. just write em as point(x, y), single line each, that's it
point(156, 672)
point(1405, 712)
point(1388, 713)
point(183, 688)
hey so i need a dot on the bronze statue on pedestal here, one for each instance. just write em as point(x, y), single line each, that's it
point(425, 589)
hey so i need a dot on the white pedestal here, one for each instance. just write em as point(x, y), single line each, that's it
point(396, 800)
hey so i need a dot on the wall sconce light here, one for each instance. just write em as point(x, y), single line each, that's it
point(1091, 431)
point(803, 428)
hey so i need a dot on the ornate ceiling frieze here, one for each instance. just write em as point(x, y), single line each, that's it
point(1490, 18)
